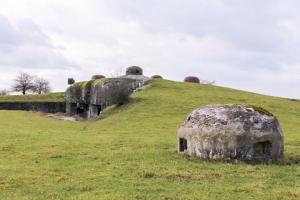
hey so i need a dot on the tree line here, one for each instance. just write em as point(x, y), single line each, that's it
point(25, 83)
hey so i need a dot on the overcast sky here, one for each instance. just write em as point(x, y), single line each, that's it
point(252, 45)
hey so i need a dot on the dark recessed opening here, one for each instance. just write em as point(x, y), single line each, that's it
point(261, 149)
point(80, 111)
point(182, 144)
point(98, 111)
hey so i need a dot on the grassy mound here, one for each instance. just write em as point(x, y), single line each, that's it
point(131, 153)
point(51, 97)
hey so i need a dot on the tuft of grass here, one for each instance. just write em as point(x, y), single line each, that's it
point(131, 152)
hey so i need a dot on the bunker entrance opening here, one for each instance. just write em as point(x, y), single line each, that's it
point(261, 149)
point(182, 144)
point(81, 109)
point(98, 111)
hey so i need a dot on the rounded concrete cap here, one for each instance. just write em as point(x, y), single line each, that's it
point(192, 79)
point(156, 77)
point(232, 132)
point(95, 77)
point(134, 70)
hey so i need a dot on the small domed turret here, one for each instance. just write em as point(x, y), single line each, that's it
point(134, 70)
point(95, 77)
point(157, 77)
point(71, 81)
point(192, 79)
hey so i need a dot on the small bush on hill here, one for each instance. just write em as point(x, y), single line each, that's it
point(119, 92)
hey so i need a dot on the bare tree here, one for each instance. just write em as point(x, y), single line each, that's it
point(24, 82)
point(41, 86)
point(4, 92)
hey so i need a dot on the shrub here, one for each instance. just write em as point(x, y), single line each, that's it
point(119, 91)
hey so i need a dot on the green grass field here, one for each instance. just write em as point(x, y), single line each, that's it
point(131, 152)
point(52, 97)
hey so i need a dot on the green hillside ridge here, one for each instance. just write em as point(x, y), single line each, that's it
point(51, 97)
point(131, 152)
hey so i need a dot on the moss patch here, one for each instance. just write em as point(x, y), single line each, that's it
point(260, 110)
point(88, 84)
point(83, 89)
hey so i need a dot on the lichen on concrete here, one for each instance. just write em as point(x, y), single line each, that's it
point(89, 98)
point(232, 132)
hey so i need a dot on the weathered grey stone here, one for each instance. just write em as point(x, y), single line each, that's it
point(156, 77)
point(89, 98)
point(232, 132)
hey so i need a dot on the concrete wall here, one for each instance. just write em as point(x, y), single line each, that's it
point(46, 107)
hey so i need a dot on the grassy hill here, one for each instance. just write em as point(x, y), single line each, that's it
point(131, 153)
point(52, 97)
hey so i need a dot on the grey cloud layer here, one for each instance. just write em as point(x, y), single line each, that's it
point(251, 44)
point(255, 28)
point(24, 45)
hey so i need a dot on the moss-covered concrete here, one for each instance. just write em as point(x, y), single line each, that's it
point(83, 96)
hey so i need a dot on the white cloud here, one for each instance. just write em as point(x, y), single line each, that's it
point(251, 45)
point(23, 45)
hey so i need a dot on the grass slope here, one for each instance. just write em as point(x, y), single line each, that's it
point(131, 153)
point(51, 97)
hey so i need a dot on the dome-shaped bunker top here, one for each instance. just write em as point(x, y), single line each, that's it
point(247, 116)
point(157, 77)
point(192, 79)
point(232, 132)
point(96, 77)
point(134, 70)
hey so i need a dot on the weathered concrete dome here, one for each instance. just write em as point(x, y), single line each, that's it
point(192, 79)
point(156, 77)
point(231, 132)
point(134, 70)
point(96, 77)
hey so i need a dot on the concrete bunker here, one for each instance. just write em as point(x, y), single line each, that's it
point(134, 70)
point(192, 79)
point(156, 77)
point(97, 76)
point(232, 133)
point(89, 98)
